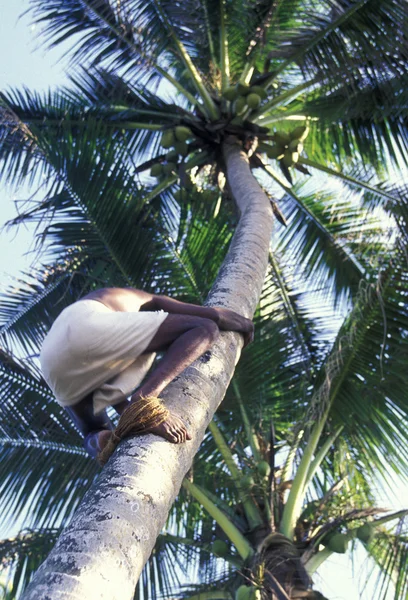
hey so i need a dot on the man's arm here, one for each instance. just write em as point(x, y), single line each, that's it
point(227, 320)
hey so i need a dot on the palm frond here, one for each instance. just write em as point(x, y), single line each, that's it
point(22, 555)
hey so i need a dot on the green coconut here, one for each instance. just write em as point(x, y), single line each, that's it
point(263, 468)
point(290, 158)
point(240, 105)
point(275, 152)
point(167, 139)
point(156, 170)
point(365, 533)
point(230, 94)
point(181, 148)
point(220, 548)
point(247, 482)
point(260, 91)
point(182, 133)
point(169, 168)
point(172, 156)
point(244, 592)
point(282, 138)
point(338, 543)
point(296, 146)
point(242, 89)
point(300, 133)
point(253, 101)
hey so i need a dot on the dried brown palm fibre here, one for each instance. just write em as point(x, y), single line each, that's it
point(138, 418)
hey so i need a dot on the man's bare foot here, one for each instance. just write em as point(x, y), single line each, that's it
point(96, 441)
point(172, 429)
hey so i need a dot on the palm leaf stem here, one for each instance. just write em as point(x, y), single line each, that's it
point(131, 44)
point(163, 185)
point(118, 124)
point(284, 116)
point(177, 539)
point(260, 32)
point(246, 73)
point(397, 515)
point(242, 545)
point(326, 395)
point(282, 98)
point(316, 560)
point(42, 445)
point(314, 465)
point(115, 108)
point(225, 68)
point(288, 466)
point(346, 16)
point(251, 511)
point(357, 182)
point(251, 437)
point(310, 214)
point(208, 29)
point(195, 75)
point(287, 303)
point(212, 595)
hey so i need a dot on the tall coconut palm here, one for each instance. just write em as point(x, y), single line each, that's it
point(284, 89)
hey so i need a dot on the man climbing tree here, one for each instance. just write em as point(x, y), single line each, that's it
point(101, 347)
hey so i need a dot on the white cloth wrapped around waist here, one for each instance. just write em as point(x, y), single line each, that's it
point(91, 348)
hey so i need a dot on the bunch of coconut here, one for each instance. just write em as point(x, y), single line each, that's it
point(338, 542)
point(288, 146)
point(245, 97)
point(247, 592)
point(175, 138)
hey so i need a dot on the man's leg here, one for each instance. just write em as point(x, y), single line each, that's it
point(96, 429)
point(184, 339)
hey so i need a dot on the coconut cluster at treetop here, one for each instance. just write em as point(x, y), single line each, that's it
point(197, 140)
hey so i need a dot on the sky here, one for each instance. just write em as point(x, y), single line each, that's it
point(26, 63)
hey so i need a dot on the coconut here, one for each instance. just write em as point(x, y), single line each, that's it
point(244, 592)
point(300, 133)
point(288, 158)
point(260, 91)
point(282, 138)
point(263, 468)
point(220, 548)
point(230, 94)
point(156, 170)
point(169, 168)
point(275, 152)
point(247, 482)
point(338, 543)
point(240, 105)
point(182, 133)
point(172, 156)
point(167, 140)
point(296, 146)
point(242, 89)
point(181, 148)
point(365, 533)
point(253, 101)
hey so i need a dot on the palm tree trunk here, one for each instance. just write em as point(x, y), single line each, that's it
point(102, 552)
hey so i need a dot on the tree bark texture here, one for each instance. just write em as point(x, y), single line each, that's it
point(101, 554)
